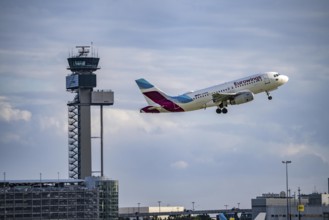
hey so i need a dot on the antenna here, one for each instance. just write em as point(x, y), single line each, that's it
point(83, 51)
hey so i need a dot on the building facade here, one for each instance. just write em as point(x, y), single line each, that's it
point(96, 198)
point(274, 207)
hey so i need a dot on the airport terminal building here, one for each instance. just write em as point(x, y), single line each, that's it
point(92, 198)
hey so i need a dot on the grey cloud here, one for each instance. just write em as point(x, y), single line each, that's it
point(9, 113)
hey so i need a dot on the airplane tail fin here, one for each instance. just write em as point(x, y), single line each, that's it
point(152, 94)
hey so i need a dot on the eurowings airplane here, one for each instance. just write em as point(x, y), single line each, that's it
point(230, 93)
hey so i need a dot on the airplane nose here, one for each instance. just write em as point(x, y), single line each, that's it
point(284, 79)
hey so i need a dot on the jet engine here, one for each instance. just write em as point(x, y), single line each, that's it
point(242, 97)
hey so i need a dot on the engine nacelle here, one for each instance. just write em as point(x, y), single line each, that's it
point(242, 98)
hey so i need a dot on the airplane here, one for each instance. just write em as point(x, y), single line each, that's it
point(230, 93)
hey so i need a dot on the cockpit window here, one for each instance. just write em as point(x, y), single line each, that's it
point(276, 75)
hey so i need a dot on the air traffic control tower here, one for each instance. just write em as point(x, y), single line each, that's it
point(82, 81)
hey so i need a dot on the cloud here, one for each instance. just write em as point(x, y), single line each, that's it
point(9, 137)
point(180, 165)
point(9, 113)
point(133, 122)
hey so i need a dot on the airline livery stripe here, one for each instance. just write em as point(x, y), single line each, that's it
point(163, 102)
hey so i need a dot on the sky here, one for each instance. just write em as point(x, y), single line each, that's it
point(180, 158)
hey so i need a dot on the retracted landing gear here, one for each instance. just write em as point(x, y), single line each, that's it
point(221, 109)
point(268, 95)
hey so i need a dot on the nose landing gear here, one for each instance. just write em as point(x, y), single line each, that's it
point(268, 95)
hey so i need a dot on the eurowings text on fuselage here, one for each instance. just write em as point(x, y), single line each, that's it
point(230, 93)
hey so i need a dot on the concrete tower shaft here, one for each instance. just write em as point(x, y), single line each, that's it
point(85, 134)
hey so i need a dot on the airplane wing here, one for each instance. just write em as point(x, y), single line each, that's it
point(222, 97)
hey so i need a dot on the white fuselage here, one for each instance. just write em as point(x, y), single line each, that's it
point(257, 83)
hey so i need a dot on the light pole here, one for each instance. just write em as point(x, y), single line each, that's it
point(159, 206)
point(287, 162)
point(193, 206)
point(299, 203)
